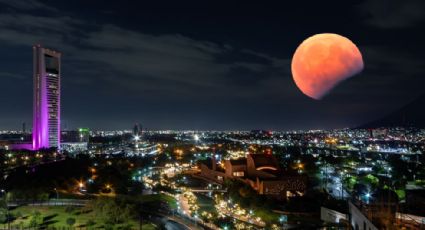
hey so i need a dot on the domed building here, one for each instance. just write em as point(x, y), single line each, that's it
point(260, 171)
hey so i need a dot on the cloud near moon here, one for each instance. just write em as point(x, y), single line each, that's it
point(322, 61)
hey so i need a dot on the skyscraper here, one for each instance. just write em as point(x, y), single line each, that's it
point(46, 104)
point(136, 129)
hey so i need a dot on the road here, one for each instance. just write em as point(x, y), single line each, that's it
point(183, 205)
point(332, 183)
point(168, 223)
point(172, 225)
point(243, 218)
point(334, 188)
point(162, 217)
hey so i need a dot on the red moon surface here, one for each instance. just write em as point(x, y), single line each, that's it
point(322, 61)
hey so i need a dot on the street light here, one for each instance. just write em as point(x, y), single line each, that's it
point(367, 196)
point(283, 219)
point(195, 219)
point(57, 196)
point(108, 188)
point(137, 138)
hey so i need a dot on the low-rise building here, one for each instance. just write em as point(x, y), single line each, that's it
point(260, 171)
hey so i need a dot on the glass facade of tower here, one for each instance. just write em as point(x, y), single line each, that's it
point(46, 117)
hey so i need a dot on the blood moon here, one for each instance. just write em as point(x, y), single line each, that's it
point(322, 61)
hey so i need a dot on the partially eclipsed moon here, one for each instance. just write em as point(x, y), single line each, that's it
point(322, 61)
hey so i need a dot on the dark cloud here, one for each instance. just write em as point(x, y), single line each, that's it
point(12, 75)
point(393, 13)
point(27, 5)
point(113, 59)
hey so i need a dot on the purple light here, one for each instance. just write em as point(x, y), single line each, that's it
point(46, 104)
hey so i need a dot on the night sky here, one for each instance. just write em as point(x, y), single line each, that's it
point(206, 65)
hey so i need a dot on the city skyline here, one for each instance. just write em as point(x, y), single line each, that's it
point(215, 73)
point(209, 115)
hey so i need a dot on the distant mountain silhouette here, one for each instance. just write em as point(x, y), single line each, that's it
point(410, 115)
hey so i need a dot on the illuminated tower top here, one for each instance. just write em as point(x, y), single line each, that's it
point(46, 104)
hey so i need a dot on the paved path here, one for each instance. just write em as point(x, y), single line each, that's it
point(51, 202)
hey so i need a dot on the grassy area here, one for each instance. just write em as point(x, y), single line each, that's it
point(267, 215)
point(149, 227)
point(401, 193)
point(205, 204)
point(57, 216)
point(420, 182)
point(171, 201)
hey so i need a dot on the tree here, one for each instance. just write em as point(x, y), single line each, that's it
point(113, 211)
point(70, 221)
point(35, 219)
point(3, 211)
point(371, 180)
point(3, 215)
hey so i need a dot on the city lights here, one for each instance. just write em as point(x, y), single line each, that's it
point(183, 116)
